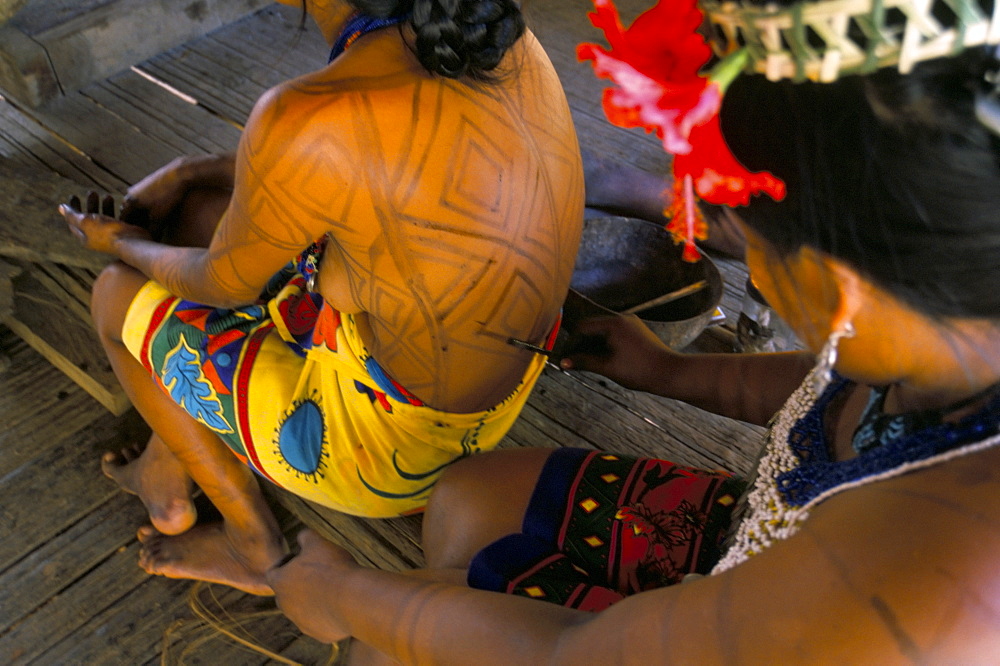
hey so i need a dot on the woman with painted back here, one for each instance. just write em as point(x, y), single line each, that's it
point(426, 187)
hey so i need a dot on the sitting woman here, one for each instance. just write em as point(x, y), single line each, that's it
point(433, 173)
point(870, 531)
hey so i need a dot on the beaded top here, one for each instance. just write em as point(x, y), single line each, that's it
point(796, 472)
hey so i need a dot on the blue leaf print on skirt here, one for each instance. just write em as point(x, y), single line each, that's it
point(189, 388)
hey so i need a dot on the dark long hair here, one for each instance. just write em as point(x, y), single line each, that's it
point(456, 38)
point(892, 174)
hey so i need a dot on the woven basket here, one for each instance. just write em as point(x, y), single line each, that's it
point(820, 41)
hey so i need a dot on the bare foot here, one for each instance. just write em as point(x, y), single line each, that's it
point(206, 552)
point(160, 481)
point(622, 189)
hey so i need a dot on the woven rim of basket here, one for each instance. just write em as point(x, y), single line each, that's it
point(822, 41)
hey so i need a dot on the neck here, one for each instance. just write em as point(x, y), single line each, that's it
point(929, 363)
point(330, 16)
point(945, 367)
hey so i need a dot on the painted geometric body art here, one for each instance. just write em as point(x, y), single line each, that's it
point(453, 212)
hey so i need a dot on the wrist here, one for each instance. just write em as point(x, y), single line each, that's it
point(354, 582)
point(664, 370)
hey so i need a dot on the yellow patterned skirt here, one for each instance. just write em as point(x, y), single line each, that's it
point(291, 389)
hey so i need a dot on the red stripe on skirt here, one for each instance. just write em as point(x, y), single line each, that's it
point(159, 314)
point(242, 396)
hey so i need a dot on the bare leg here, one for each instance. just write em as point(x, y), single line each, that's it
point(622, 189)
point(160, 481)
point(248, 542)
point(154, 473)
point(478, 501)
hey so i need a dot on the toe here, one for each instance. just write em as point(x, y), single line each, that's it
point(147, 534)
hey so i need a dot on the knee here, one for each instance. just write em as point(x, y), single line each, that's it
point(455, 511)
point(454, 498)
point(477, 501)
point(111, 296)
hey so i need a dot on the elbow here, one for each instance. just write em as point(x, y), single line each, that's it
point(234, 301)
point(225, 299)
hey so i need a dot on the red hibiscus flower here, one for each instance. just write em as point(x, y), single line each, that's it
point(656, 65)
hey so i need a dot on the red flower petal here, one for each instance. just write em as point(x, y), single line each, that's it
point(718, 177)
point(656, 65)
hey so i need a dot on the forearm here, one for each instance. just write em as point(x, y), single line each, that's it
point(416, 621)
point(184, 271)
point(747, 387)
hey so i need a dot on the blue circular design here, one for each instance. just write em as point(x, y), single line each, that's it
point(223, 359)
point(300, 439)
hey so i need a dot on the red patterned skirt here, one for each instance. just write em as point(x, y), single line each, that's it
point(602, 526)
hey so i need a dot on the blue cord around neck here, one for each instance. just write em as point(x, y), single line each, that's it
point(358, 25)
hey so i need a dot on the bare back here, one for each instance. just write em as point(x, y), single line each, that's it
point(453, 210)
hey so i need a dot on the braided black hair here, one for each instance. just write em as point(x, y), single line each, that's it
point(892, 174)
point(456, 38)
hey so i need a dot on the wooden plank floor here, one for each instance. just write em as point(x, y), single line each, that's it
point(72, 591)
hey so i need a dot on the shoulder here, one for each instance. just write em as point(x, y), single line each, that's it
point(288, 112)
point(911, 559)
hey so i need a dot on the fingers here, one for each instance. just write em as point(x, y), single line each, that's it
point(77, 212)
point(583, 350)
point(589, 343)
point(95, 204)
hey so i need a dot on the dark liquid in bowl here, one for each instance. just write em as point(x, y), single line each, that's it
point(624, 262)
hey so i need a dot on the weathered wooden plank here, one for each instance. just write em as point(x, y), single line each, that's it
point(39, 406)
point(61, 561)
point(72, 285)
point(217, 85)
point(60, 616)
point(157, 616)
point(295, 50)
point(65, 55)
point(124, 149)
point(186, 127)
point(30, 227)
point(7, 273)
point(719, 442)
point(40, 319)
point(53, 490)
point(624, 422)
point(24, 144)
point(130, 620)
point(524, 432)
